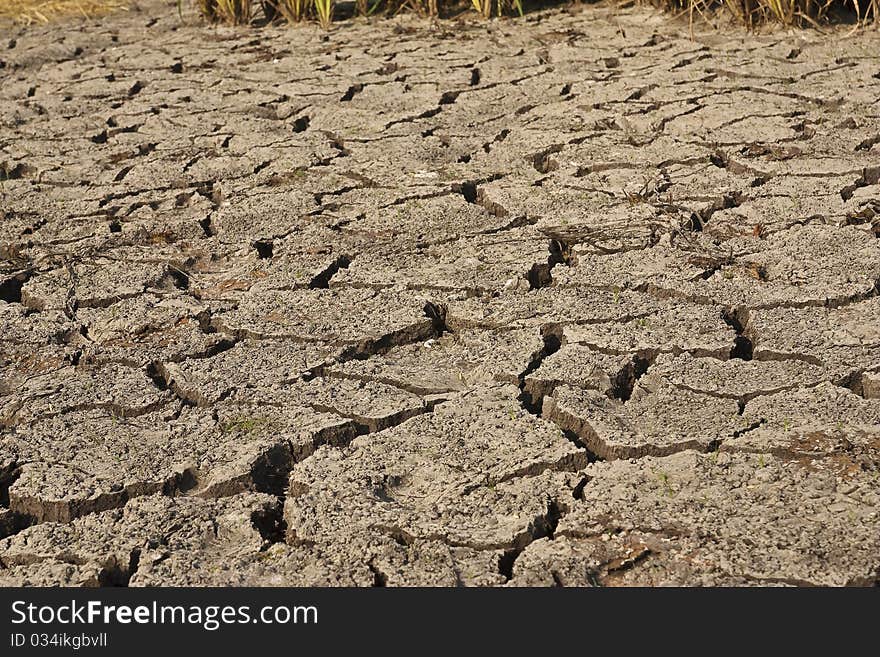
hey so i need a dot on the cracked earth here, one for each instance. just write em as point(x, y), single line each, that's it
point(571, 300)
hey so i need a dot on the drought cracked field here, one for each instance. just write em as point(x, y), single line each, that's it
point(571, 300)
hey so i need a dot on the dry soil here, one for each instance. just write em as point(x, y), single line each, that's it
point(576, 299)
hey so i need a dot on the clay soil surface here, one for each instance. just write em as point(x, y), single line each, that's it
point(570, 300)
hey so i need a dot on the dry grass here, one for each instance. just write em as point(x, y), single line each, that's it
point(324, 10)
point(753, 13)
point(43, 11)
point(293, 11)
point(484, 7)
point(234, 12)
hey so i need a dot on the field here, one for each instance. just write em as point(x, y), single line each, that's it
point(43, 11)
point(587, 297)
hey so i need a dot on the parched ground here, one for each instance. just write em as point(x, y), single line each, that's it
point(570, 300)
